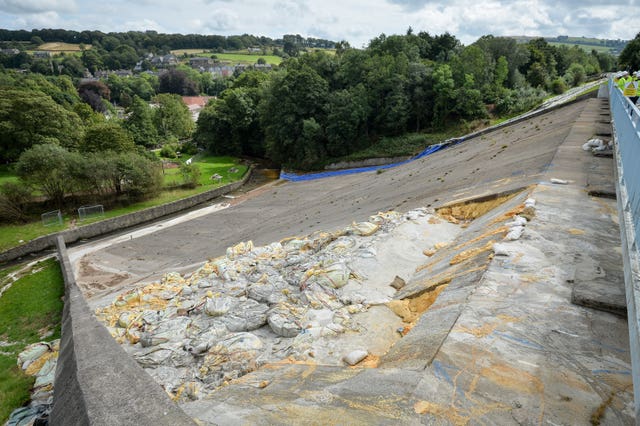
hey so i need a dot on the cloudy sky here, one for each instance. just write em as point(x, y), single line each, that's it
point(356, 21)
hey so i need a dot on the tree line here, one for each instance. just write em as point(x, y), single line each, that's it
point(152, 41)
point(62, 142)
point(314, 108)
point(320, 106)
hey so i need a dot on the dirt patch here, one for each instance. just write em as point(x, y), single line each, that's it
point(95, 280)
point(471, 210)
point(411, 309)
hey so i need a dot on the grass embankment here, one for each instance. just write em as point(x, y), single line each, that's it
point(30, 311)
point(400, 146)
point(14, 235)
point(208, 166)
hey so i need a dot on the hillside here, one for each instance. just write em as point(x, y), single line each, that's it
point(587, 43)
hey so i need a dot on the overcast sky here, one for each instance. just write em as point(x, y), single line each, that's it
point(356, 21)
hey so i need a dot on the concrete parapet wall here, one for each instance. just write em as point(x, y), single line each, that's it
point(117, 223)
point(96, 382)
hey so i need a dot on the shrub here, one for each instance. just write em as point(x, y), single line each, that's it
point(190, 175)
point(14, 198)
point(168, 151)
point(558, 86)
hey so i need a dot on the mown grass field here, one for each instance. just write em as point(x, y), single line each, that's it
point(30, 311)
point(62, 47)
point(12, 235)
point(585, 47)
point(234, 57)
point(209, 166)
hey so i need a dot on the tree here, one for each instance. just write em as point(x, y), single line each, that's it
point(291, 99)
point(29, 118)
point(140, 123)
point(176, 81)
point(443, 86)
point(172, 117)
point(46, 168)
point(347, 112)
point(93, 93)
point(501, 72)
point(72, 66)
point(537, 75)
point(576, 74)
point(92, 60)
point(630, 56)
point(230, 125)
point(136, 175)
point(107, 136)
point(14, 198)
point(291, 49)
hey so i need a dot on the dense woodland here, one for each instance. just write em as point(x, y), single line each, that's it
point(320, 106)
point(66, 135)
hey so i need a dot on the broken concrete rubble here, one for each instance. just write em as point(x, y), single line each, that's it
point(310, 298)
point(322, 298)
point(38, 360)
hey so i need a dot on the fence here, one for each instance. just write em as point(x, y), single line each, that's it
point(52, 218)
point(626, 122)
point(87, 212)
point(626, 117)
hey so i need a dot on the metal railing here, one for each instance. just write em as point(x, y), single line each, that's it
point(626, 117)
point(626, 126)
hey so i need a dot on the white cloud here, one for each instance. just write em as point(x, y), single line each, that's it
point(37, 6)
point(40, 20)
point(142, 25)
point(220, 20)
point(357, 21)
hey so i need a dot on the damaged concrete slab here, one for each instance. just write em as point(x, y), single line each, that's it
point(483, 331)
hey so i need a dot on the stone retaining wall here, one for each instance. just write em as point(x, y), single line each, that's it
point(117, 223)
point(96, 382)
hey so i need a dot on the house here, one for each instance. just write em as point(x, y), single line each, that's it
point(222, 70)
point(200, 63)
point(164, 61)
point(262, 67)
point(255, 50)
point(9, 51)
point(41, 54)
point(196, 104)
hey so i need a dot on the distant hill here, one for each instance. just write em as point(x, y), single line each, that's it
point(587, 43)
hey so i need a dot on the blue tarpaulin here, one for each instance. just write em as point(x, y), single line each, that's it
point(321, 175)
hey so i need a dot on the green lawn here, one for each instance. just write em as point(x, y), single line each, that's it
point(31, 307)
point(586, 47)
point(14, 235)
point(246, 58)
point(208, 166)
point(236, 57)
